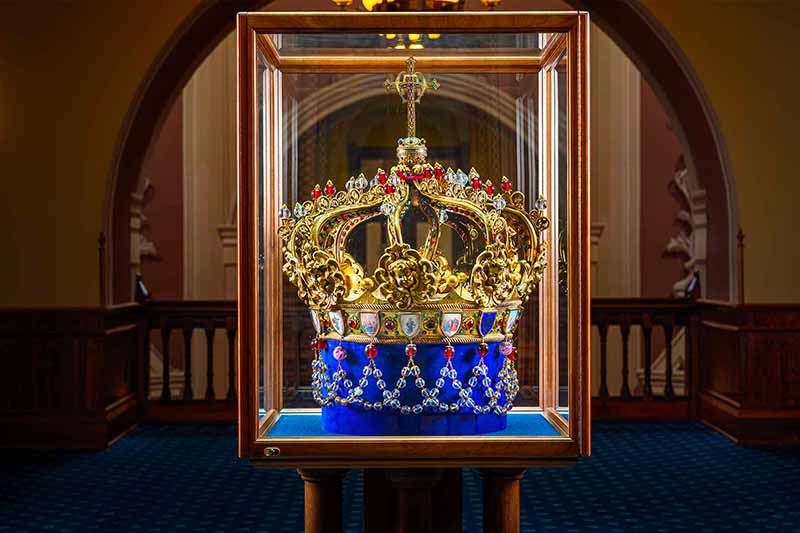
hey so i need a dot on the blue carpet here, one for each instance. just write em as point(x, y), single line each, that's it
point(168, 478)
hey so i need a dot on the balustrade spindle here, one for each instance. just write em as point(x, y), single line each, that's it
point(188, 329)
point(647, 331)
point(230, 327)
point(602, 327)
point(210, 331)
point(166, 331)
point(669, 393)
point(625, 330)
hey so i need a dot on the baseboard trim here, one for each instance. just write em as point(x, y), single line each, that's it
point(68, 430)
point(749, 427)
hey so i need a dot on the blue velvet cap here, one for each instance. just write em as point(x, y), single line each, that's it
point(355, 419)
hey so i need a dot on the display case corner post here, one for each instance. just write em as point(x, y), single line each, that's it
point(580, 81)
point(245, 235)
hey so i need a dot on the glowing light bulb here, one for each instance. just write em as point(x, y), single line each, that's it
point(400, 46)
point(391, 35)
point(416, 46)
point(414, 37)
point(369, 5)
point(434, 36)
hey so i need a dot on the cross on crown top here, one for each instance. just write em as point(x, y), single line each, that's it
point(410, 85)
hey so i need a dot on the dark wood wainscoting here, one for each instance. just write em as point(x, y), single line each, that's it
point(69, 377)
point(749, 382)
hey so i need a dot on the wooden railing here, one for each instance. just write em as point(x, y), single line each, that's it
point(166, 318)
point(646, 315)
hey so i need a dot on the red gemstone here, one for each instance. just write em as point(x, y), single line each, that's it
point(401, 174)
point(316, 193)
point(382, 178)
point(411, 350)
point(318, 344)
point(490, 189)
point(476, 183)
point(372, 351)
point(330, 189)
point(449, 351)
point(353, 324)
point(483, 349)
point(438, 171)
point(513, 355)
point(389, 188)
point(469, 323)
point(427, 173)
point(506, 185)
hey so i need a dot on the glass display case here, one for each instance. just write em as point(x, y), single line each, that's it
point(413, 238)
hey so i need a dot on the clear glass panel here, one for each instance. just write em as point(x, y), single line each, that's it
point(420, 43)
point(261, 131)
point(331, 126)
point(561, 212)
point(338, 125)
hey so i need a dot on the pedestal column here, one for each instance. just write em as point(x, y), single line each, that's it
point(414, 512)
point(501, 499)
point(384, 504)
point(323, 499)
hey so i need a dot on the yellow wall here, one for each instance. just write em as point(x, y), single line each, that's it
point(745, 53)
point(69, 70)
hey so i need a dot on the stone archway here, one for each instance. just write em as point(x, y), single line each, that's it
point(628, 23)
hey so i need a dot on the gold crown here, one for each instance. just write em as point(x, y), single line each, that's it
point(501, 256)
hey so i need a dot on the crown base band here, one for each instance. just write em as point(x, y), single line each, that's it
point(349, 421)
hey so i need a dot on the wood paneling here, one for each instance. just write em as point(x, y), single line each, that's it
point(750, 371)
point(70, 377)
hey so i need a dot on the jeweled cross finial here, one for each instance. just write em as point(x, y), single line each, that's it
point(411, 85)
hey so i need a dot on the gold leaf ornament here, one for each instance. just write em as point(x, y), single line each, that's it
point(324, 281)
point(492, 278)
point(404, 277)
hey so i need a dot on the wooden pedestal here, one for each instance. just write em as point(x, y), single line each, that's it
point(323, 499)
point(412, 500)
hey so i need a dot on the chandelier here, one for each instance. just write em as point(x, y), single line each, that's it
point(411, 5)
point(410, 41)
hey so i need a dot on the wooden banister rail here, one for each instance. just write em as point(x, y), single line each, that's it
point(648, 315)
point(187, 317)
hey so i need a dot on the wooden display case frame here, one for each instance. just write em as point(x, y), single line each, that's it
point(567, 44)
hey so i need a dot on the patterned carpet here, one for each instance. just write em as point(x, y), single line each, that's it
point(641, 477)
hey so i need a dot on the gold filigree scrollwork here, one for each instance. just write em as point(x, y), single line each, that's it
point(323, 280)
point(493, 280)
point(500, 257)
point(404, 277)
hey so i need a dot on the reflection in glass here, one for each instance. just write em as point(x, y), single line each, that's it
point(261, 73)
point(562, 232)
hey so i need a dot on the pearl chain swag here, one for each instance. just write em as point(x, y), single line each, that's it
point(338, 388)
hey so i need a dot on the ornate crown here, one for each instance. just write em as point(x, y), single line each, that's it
point(501, 259)
point(468, 293)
